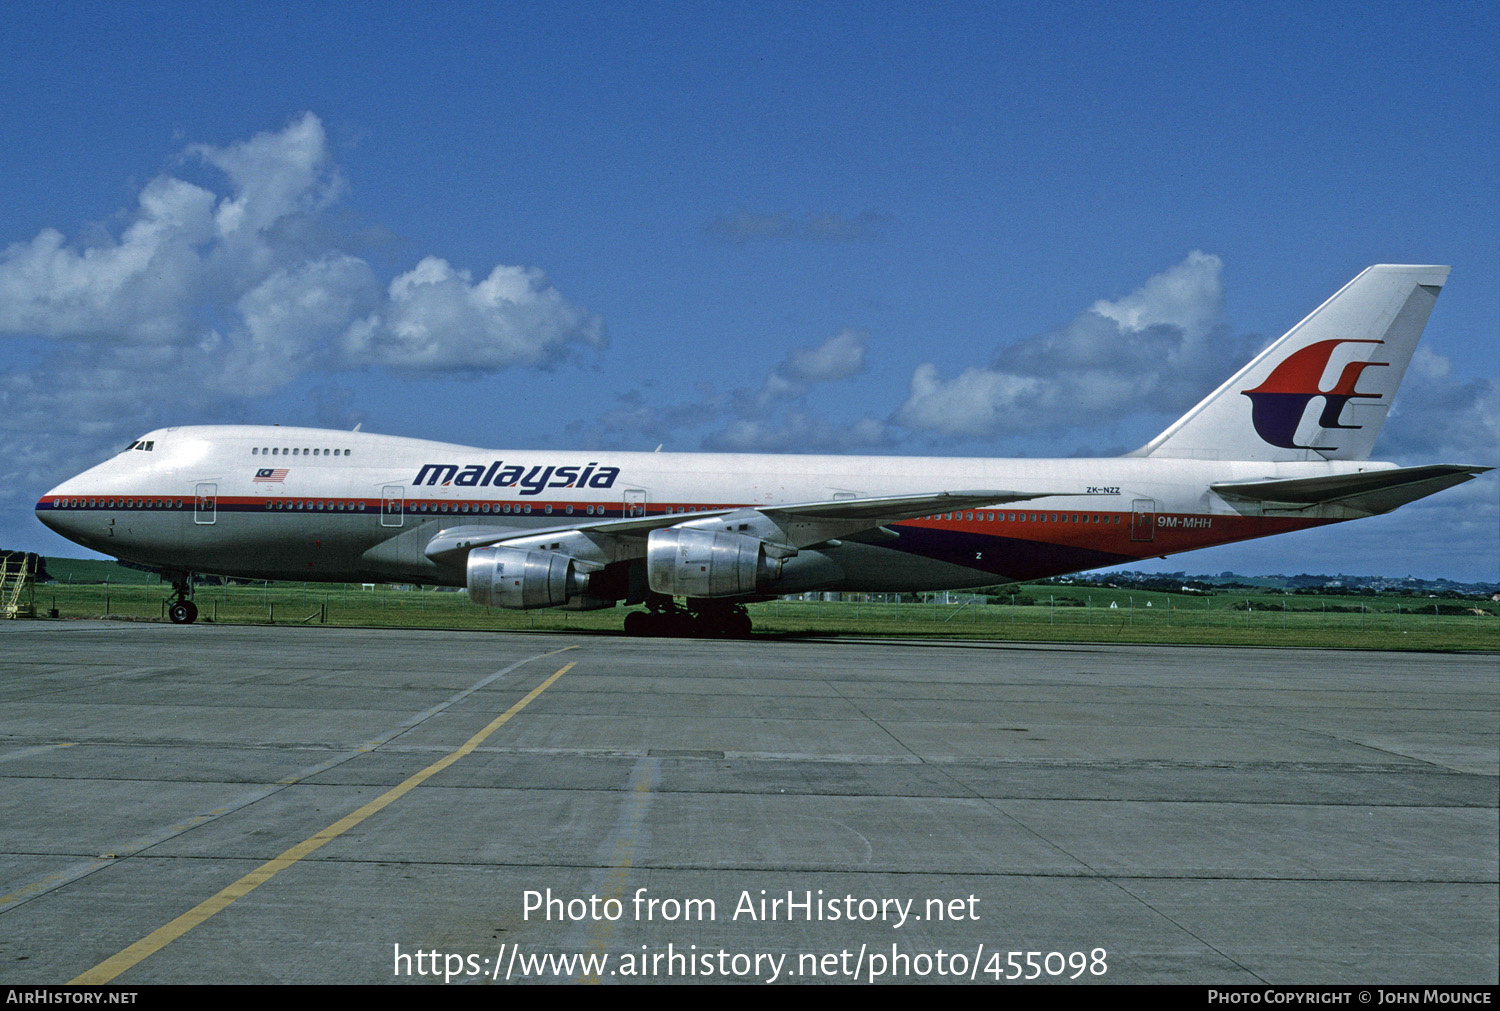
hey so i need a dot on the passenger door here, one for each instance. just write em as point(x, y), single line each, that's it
point(392, 512)
point(205, 503)
point(1143, 519)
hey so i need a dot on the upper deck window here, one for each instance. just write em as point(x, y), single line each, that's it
point(272, 450)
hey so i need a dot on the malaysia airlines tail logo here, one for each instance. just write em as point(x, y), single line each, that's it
point(1278, 403)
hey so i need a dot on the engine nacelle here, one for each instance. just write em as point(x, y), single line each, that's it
point(520, 579)
point(684, 562)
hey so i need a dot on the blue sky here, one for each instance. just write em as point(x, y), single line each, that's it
point(778, 227)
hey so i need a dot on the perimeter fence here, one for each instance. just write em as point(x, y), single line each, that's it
point(1032, 613)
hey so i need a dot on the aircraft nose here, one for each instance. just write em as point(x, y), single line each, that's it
point(51, 513)
point(62, 512)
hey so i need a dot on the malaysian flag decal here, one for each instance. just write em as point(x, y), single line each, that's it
point(268, 476)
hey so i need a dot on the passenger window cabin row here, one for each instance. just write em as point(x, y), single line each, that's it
point(295, 451)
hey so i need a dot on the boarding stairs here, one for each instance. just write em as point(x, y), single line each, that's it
point(17, 588)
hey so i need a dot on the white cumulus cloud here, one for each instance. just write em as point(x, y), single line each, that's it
point(252, 273)
point(436, 317)
point(1189, 296)
point(235, 287)
point(839, 357)
point(1153, 349)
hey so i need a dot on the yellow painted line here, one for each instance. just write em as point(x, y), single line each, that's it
point(163, 936)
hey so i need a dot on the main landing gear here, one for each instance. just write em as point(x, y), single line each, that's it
point(182, 610)
point(701, 619)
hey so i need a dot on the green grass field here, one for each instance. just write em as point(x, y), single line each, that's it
point(1058, 613)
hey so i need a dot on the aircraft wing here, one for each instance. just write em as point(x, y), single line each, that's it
point(451, 541)
point(1371, 492)
point(891, 508)
point(811, 521)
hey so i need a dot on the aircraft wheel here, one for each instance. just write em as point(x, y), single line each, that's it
point(707, 625)
point(638, 623)
point(182, 612)
point(740, 626)
point(721, 623)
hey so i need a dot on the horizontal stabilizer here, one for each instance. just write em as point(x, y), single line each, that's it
point(1372, 492)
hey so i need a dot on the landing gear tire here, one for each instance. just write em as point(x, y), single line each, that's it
point(670, 621)
point(740, 626)
point(722, 623)
point(182, 610)
point(675, 624)
point(670, 624)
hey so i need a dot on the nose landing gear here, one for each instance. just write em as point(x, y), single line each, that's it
point(182, 610)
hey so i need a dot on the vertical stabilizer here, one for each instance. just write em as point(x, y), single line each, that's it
point(1323, 390)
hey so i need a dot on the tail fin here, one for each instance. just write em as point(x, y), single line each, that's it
point(1322, 391)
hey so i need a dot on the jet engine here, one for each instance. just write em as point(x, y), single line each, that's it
point(518, 578)
point(688, 562)
point(684, 562)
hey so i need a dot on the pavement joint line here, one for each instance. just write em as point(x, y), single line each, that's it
point(83, 868)
point(619, 851)
point(37, 749)
point(113, 966)
point(1001, 808)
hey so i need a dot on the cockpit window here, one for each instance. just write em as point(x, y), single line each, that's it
point(142, 444)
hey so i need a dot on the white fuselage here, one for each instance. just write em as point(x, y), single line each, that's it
point(296, 503)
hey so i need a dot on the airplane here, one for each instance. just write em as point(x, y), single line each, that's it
point(1282, 445)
